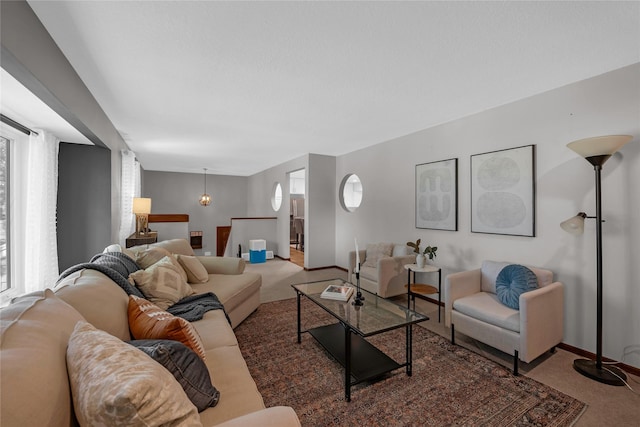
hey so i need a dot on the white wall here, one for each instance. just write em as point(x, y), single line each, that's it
point(320, 206)
point(260, 188)
point(608, 104)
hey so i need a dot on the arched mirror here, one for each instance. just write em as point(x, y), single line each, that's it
point(351, 192)
point(276, 197)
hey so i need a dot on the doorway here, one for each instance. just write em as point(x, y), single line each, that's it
point(297, 185)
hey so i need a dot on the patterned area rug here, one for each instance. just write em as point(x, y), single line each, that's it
point(450, 385)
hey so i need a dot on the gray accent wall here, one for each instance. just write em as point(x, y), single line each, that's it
point(178, 193)
point(84, 203)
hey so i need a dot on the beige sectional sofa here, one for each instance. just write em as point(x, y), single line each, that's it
point(35, 386)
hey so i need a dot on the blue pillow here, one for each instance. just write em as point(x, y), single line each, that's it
point(512, 281)
point(186, 366)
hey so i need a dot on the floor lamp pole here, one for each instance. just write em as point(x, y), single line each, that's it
point(608, 375)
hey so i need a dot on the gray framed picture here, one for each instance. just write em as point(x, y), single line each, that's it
point(437, 195)
point(503, 192)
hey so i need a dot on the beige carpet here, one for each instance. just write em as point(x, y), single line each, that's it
point(608, 405)
point(279, 275)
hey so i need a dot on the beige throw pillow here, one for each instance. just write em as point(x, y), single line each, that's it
point(148, 257)
point(162, 283)
point(115, 384)
point(375, 252)
point(196, 272)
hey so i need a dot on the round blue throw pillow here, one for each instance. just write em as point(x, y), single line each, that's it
point(512, 281)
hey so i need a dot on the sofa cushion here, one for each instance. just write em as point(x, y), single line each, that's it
point(486, 307)
point(513, 281)
point(35, 387)
point(162, 283)
point(148, 257)
point(185, 366)
point(175, 246)
point(147, 321)
point(196, 272)
point(370, 273)
point(375, 251)
point(231, 289)
point(238, 392)
point(113, 383)
point(98, 299)
point(401, 250)
point(214, 330)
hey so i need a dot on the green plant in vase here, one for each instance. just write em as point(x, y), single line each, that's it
point(429, 251)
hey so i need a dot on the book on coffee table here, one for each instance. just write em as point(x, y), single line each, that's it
point(340, 293)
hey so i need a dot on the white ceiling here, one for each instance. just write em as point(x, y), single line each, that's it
point(238, 87)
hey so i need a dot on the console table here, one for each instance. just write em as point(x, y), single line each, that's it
point(420, 290)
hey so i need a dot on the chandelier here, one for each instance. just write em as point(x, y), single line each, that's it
point(205, 199)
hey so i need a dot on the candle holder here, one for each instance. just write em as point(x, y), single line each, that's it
point(359, 299)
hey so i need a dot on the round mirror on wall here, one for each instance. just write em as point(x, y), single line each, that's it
point(276, 197)
point(351, 192)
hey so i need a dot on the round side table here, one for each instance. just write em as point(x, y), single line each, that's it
point(421, 290)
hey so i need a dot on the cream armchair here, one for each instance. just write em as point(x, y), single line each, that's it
point(473, 308)
point(384, 274)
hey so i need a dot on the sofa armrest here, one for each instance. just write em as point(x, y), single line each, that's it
point(389, 268)
point(459, 285)
point(277, 416)
point(541, 320)
point(222, 265)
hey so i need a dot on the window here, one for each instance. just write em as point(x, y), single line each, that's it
point(276, 198)
point(5, 263)
point(13, 154)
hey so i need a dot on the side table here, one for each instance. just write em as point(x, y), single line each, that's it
point(135, 240)
point(420, 290)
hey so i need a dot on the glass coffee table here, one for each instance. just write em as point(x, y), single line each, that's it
point(346, 339)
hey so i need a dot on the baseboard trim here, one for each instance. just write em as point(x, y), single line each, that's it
point(584, 353)
point(325, 268)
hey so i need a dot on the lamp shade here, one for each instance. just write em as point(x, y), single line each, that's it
point(574, 225)
point(141, 205)
point(599, 145)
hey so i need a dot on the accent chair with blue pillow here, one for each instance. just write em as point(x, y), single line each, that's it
point(514, 308)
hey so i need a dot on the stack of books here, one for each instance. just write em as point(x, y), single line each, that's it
point(339, 293)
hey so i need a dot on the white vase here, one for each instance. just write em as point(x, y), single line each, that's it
point(420, 259)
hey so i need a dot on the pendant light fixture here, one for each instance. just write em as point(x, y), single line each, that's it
point(205, 199)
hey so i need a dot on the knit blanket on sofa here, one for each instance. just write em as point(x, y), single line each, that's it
point(118, 266)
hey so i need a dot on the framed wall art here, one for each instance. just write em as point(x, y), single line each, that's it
point(503, 192)
point(437, 195)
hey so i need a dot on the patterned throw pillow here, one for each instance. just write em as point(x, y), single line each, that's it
point(512, 281)
point(196, 272)
point(148, 322)
point(148, 257)
point(375, 252)
point(113, 383)
point(162, 283)
point(186, 367)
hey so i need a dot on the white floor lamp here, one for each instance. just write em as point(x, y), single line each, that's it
point(597, 151)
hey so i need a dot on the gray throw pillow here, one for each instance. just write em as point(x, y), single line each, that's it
point(187, 368)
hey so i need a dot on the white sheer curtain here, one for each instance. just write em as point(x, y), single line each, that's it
point(40, 244)
point(130, 188)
